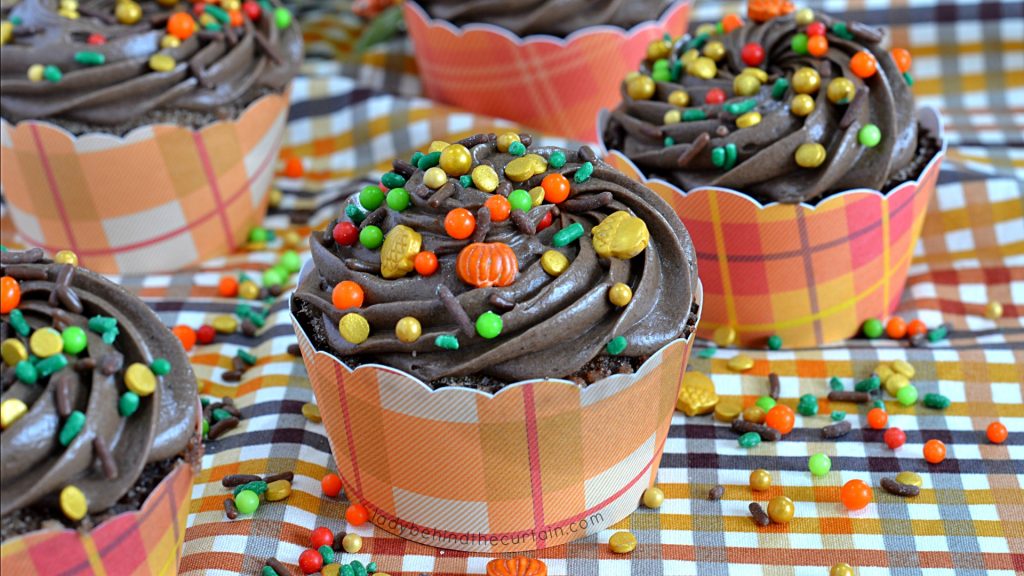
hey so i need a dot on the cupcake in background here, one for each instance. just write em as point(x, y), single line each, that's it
point(99, 423)
point(749, 123)
point(550, 65)
point(143, 135)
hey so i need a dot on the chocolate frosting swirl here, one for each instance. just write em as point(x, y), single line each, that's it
point(215, 72)
point(553, 325)
point(765, 166)
point(35, 467)
point(555, 17)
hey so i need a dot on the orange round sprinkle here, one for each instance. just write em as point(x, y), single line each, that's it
point(901, 56)
point(781, 418)
point(186, 335)
point(916, 327)
point(357, 514)
point(293, 167)
point(499, 208)
point(236, 18)
point(817, 46)
point(425, 263)
point(878, 418)
point(934, 451)
point(731, 22)
point(10, 294)
point(460, 223)
point(896, 328)
point(181, 25)
point(347, 294)
point(227, 287)
point(556, 188)
point(863, 64)
point(997, 432)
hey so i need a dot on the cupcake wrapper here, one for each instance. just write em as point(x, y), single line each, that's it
point(810, 274)
point(159, 199)
point(538, 464)
point(553, 84)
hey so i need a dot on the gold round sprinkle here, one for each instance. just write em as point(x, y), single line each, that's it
point(801, 105)
point(46, 342)
point(35, 72)
point(703, 68)
point(810, 155)
point(761, 75)
point(840, 90)
point(554, 262)
point(66, 257)
point(740, 363)
point(620, 294)
point(456, 160)
point(73, 503)
point(673, 116)
point(806, 81)
point(754, 414)
point(408, 329)
point(352, 543)
point(746, 85)
point(311, 412)
point(760, 480)
point(640, 88)
point(659, 49)
point(162, 62)
point(804, 16)
point(724, 336)
point(128, 12)
point(994, 310)
point(169, 41)
point(435, 177)
point(140, 379)
point(680, 98)
point(622, 542)
point(437, 146)
point(485, 178)
point(653, 497)
point(714, 50)
point(506, 139)
point(354, 328)
point(249, 290)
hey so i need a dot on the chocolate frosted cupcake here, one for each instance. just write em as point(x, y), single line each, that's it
point(554, 17)
point(491, 261)
point(99, 401)
point(790, 108)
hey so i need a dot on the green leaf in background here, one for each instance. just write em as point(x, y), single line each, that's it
point(380, 29)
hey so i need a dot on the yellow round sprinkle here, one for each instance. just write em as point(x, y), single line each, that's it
point(537, 195)
point(689, 56)
point(896, 382)
point(659, 49)
point(728, 410)
point(724, 336)
point(640, 88)
point(622, 542)
point(903, 367)
point(806, 81)
point(279, 490)
point(311, 412)
point(230, 5)
point(13, 351)
point(292, 238)
point(761, 75)
point(354, 328)
point(804, 16)
point(248, 290)
point(841, 569)
point(128, 12)
point(66, 257)
point(752, 118)
point(760, 480)
point(810, 155)
point(162, 62)
point(6, 32)
point(714, 50)
point(679, 98)
point(435, 177)
point(909, 478)
point(140, 379)
point(352, 543)
point(554, 262)
point(35, 72)
point(46, 342)
point(484, 178)
point(740, 363)
point(703, 68)
point(170, 41)
point(994, 310)
point(746, 85)
point(408, 329)
point(801, 105)
point(620, 294)
point(840, 90)
point(225, 324)
point(456, 160)
point(707, 29)
point(274, 197)
point(73, 503)
point(437, 146)
point(653, 497)
point(506, 139)
point(673, 116)
point(10, 410)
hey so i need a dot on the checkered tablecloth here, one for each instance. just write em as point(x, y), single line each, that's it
point(350, 116)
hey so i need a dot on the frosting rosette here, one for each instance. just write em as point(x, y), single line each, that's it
point(116, 65)
point(492, 258)
point(786, 107)
point(95, 388)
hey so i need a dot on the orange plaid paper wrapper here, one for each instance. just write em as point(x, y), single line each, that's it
point(810, 274)
point(553, 84)
point(143, 543)
point(539, 464)
point(161, 198)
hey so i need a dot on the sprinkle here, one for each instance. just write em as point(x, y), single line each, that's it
point(584, 172)
point(52, 74)
point(25, 371)
point(256, 486)
point(394, 180)
point(160, 367)
point(52, 365)
point(567, 235)
point(694, 114)
point(10, 411)
point(779, 88)
point(517, 148)
point(447, 342)
point(838, 415)
point(738, 108)
point(88, 58)
point(128, 404)
point(669, 141)
point(557, 159)
point(311, 412)
point(835, 384)
point(73, 503)
point(162, 63)
point(708, 352)
point(617, 345)
point(466, 181)
point(428, 161)
point(840, 29)
point(72, 426)
point(908, 78)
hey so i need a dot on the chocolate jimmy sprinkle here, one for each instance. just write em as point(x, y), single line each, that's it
point(360, 266)
point(586, 153)
point(374, 218)
point(85, 364)
point(741, 426)
point(837, 430)
point(892, 486)
point(19, 272)
point(229, 508)
point(106, 459)
point(849, 396)
point(276, 566)
point(501, 303)
point(773, 386)
point(477, 139)
point(233, 480)
point(65, 274)
point(30, 256)
point(696, 147)
point(287, 475)
point(504, 188)
point(62, 394)
point(455, 310)
point(294, 350)
point(587, 202)
point(483, 225)
point(222, 427)
point(716, 493)
point(526, 139)
point(339, 537)
point(109, 364)
point(523, 223)
point(402, 168)
point(249, 328)
point(760, 517)
point(446, 191)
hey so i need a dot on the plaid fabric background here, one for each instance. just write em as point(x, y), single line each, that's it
point(969, 518)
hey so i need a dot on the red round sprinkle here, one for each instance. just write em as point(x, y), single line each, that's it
point(894, 438)
point(714, 96)
point(997, 433)
point(345, 233)
point(205, 334)
point(293, 167)
point(357, 514)
point(322, 536)
point(545, 221)
point(186, 335)
point(816, 29)
point(752, 54)
point(95, 39)
point(310, 561)
point(331, 485)
point(251, 9)
point(878, 418)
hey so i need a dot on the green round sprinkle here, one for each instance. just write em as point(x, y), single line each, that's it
point(274, 277)
point(819, 464)
point(282, 17)
point(719, 27)
point(371, 237)
point(774, 342)
point(868, 384)
point(520, 200)
point(749, 440)
point(16, 20)
point(74, 340)
point(52, 74)
point(869, 135)
point(327, 553)
point(808, 405)
point(835, 383)
point(661, 75)
point(258, 235)
point(936, 401)
point(291, 261)
point(466, 180)
point(393, 179)
point(371, 197)
point(765, 403)
point(26, 372)
point(617, 345)
point(669, 141)
point(583, 173)
point(355, 213)
point(878, 404)
point(247, 502)
point(371, 567)
point(429, 160)
point(414, 161)
point(398, 199)
point(52, 365)
point(220, 414)
point(488, 325)
point(88, 58)
point(517, 149)
point(838, 415)
point(693, 114)
point(840, 29)
point(708, 352)
point(661, 64)
point(72, 426)
point(447, 342)
point(799, 43)
point(128, 404)
point(718, 156)
point(557, 159)
point(567, 235)
point(160, 366)
point(206, 427)
point(873, 328)
point(779, 88)
point(907, 395)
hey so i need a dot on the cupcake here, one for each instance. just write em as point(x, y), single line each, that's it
point(99, 423)
point(183, 101)
point(551, 65)
point(498, 287)
point(787, 110)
